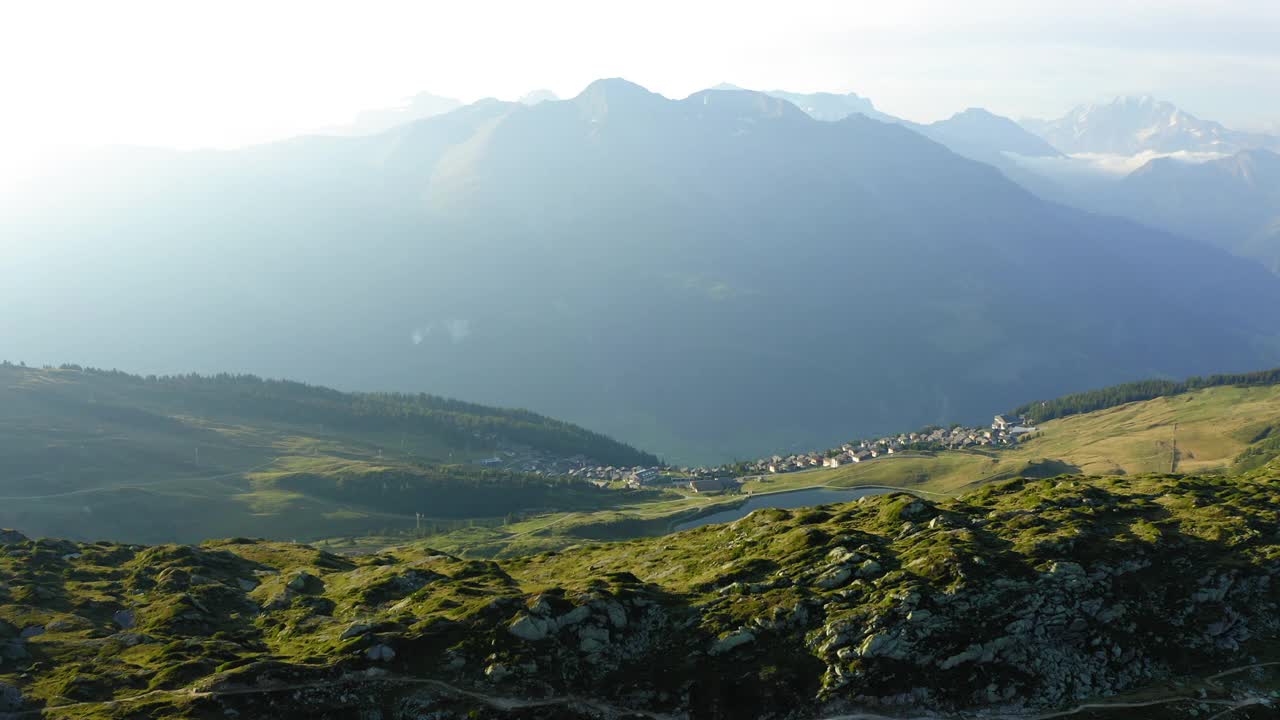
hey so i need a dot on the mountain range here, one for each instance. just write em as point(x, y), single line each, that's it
point(1130, 125)
point(1232, 202)
point(709, 278)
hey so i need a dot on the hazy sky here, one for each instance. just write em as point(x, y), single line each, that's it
point(223, 73)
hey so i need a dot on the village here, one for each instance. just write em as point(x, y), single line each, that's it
point(1005, 431)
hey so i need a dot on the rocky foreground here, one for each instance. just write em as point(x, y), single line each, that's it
point(1017, 599)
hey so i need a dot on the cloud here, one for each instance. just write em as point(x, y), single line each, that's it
point(1085, 166)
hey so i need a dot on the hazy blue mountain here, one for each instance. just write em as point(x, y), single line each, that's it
point(832, 106)
point(711, 277)
point(420, 106)
point(1233, 202)
point(974, 133)
point(534, 97)
point(982, 131)
point(1130, 125)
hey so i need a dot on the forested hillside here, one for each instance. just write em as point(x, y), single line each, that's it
point(1108, 397)
point(90, 454)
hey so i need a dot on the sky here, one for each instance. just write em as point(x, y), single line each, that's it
point(229, 73)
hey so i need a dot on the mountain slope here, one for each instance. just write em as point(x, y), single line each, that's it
point(830, 106)
point(91, 454)
point(1131, 125)
point(1024, 597)
point(1233, 202)
point(418, 107)
point(978, 131)
point(712, 277)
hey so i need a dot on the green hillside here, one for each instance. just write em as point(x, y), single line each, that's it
point(1134, 589)
point(1221, 430)
point(93, 454)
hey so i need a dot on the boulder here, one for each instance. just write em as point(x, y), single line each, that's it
point(305, 582)
point(381, 653)
point(617, 615)
point(355, 630)
point(528, 627)
point(12, 537)
point(834, 578)
point(126, 619)
point(841, 555)
point(731, 641)
point(870, 568)
point(573, 617)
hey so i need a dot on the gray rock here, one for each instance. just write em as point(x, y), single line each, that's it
point(731, 641)
point(573, 617)
point(355, 630)
point(1066, 569)
point(834, 578)
point(305, 582)
point(528, 627)
point(594, 634)
point(246, 585)
point(917, 509)
point(840, 556)
point(870, 568)
point(540, 606)
point(590, 646)
point(882, 645)
point(380, 653)
point(131, 639)
point(32, 631)
point(11, 537)
point(125, 619)
point(617, 615)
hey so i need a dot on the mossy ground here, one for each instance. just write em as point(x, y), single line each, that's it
point(234, 612)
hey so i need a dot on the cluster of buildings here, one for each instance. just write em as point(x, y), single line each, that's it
point(527, 460)
point(1005, 430)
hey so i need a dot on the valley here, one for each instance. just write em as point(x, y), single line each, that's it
point(620, 401)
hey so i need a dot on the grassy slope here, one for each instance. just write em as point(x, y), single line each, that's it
point(90, 456)
point(1214, 427)
point(224, 614)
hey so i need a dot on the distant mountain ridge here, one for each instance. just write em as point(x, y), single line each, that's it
point(1129, 125)
point(1232, 202)
point(418, 107)
point(712, 277)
